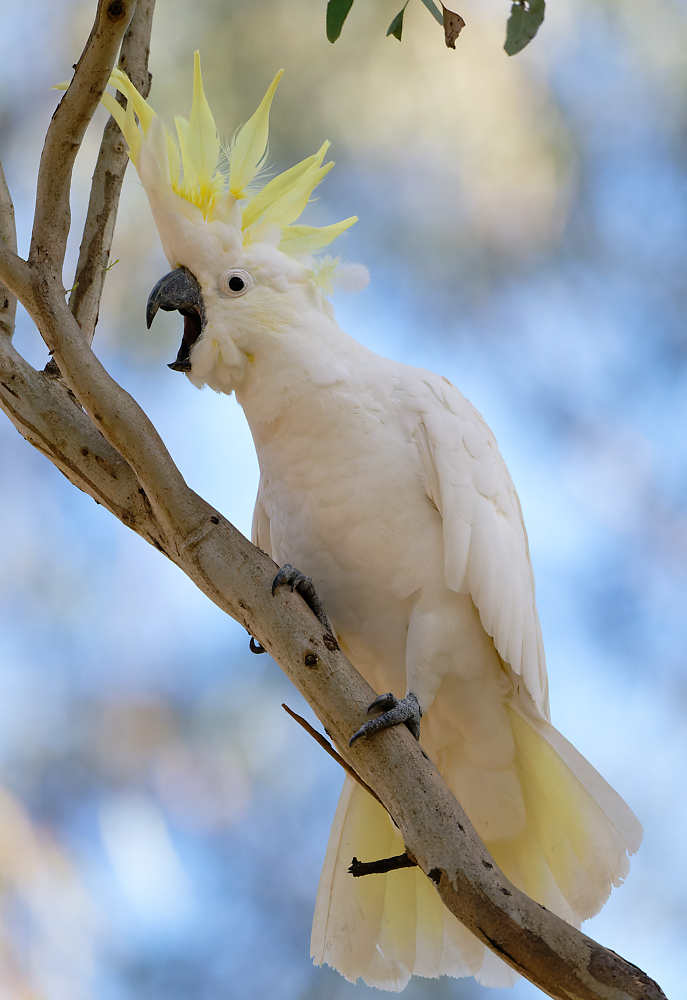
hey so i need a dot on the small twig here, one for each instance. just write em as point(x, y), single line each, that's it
point(381, 867)
point(328, 748)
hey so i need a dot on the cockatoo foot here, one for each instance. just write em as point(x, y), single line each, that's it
point(395, 712)
point(289, 576)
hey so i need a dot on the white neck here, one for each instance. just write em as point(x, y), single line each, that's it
point(293, 367)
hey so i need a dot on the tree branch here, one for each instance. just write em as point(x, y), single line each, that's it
point(8, 236)
point(15, 274)
point(96, 243)
point(118, 457)
point(66, 131)
point(47, 415)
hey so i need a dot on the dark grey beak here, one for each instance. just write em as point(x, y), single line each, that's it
point(179, 290)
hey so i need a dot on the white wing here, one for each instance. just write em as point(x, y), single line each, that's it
point(485, 542)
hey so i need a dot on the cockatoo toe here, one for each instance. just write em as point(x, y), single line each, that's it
point(396, 711)
point(289, 576)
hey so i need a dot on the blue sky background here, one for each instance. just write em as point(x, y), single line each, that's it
point(525, 224)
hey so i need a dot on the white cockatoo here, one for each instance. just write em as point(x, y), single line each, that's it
point(385, 486)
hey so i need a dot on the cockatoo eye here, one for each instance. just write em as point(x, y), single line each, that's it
point(235, 282)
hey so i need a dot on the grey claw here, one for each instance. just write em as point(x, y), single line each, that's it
point(289, 576)
point(383, 702)
point(405, 710)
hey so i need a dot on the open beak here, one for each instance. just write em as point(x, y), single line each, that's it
point(179, 290)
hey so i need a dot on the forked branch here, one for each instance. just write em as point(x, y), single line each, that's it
point(66, 132)
point(94, 254)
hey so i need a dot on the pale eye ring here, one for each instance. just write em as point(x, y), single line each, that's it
point(235, 282)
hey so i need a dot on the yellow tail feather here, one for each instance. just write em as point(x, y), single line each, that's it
point(569, 835)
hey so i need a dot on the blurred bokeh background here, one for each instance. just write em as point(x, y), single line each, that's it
point(162, 821)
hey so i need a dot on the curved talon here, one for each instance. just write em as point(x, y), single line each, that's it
point(255, 647)
point(289, 576)
point(384, 702)
point(405, 710)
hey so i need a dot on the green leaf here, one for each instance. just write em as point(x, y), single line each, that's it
point(396, 26)
point(434, 11)
point(337, 12)
point(523, 24)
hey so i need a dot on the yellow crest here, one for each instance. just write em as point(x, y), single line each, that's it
point(194, 155)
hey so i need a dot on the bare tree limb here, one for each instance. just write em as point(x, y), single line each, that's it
point(120, 419)
point(8, 236)
point(118, 457)
point(66, 131)
point(96, 243)
point(38, 284)
point(15, 273)
point(12, 268)
point(45, 413)
point(8, 229)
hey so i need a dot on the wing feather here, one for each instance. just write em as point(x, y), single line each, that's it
point(485, 542)
point(260, 530)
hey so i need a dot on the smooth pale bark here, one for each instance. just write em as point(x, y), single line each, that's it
point(101, 440)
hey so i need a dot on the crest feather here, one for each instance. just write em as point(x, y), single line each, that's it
point(310, 239)
point(284, 197)
point(250, 144)
point(193, 157)
point(202, 131)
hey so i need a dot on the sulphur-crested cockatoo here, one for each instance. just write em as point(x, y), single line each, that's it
point(385, 486)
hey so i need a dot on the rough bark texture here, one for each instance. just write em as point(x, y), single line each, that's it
point(97, 435)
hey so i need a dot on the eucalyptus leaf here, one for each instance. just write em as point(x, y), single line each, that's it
point(525, 18)
point(453, 25)
point(337, 12)
point(434, 11)
point(396, 26)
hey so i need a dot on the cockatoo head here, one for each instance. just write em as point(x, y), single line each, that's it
point(242, 266)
